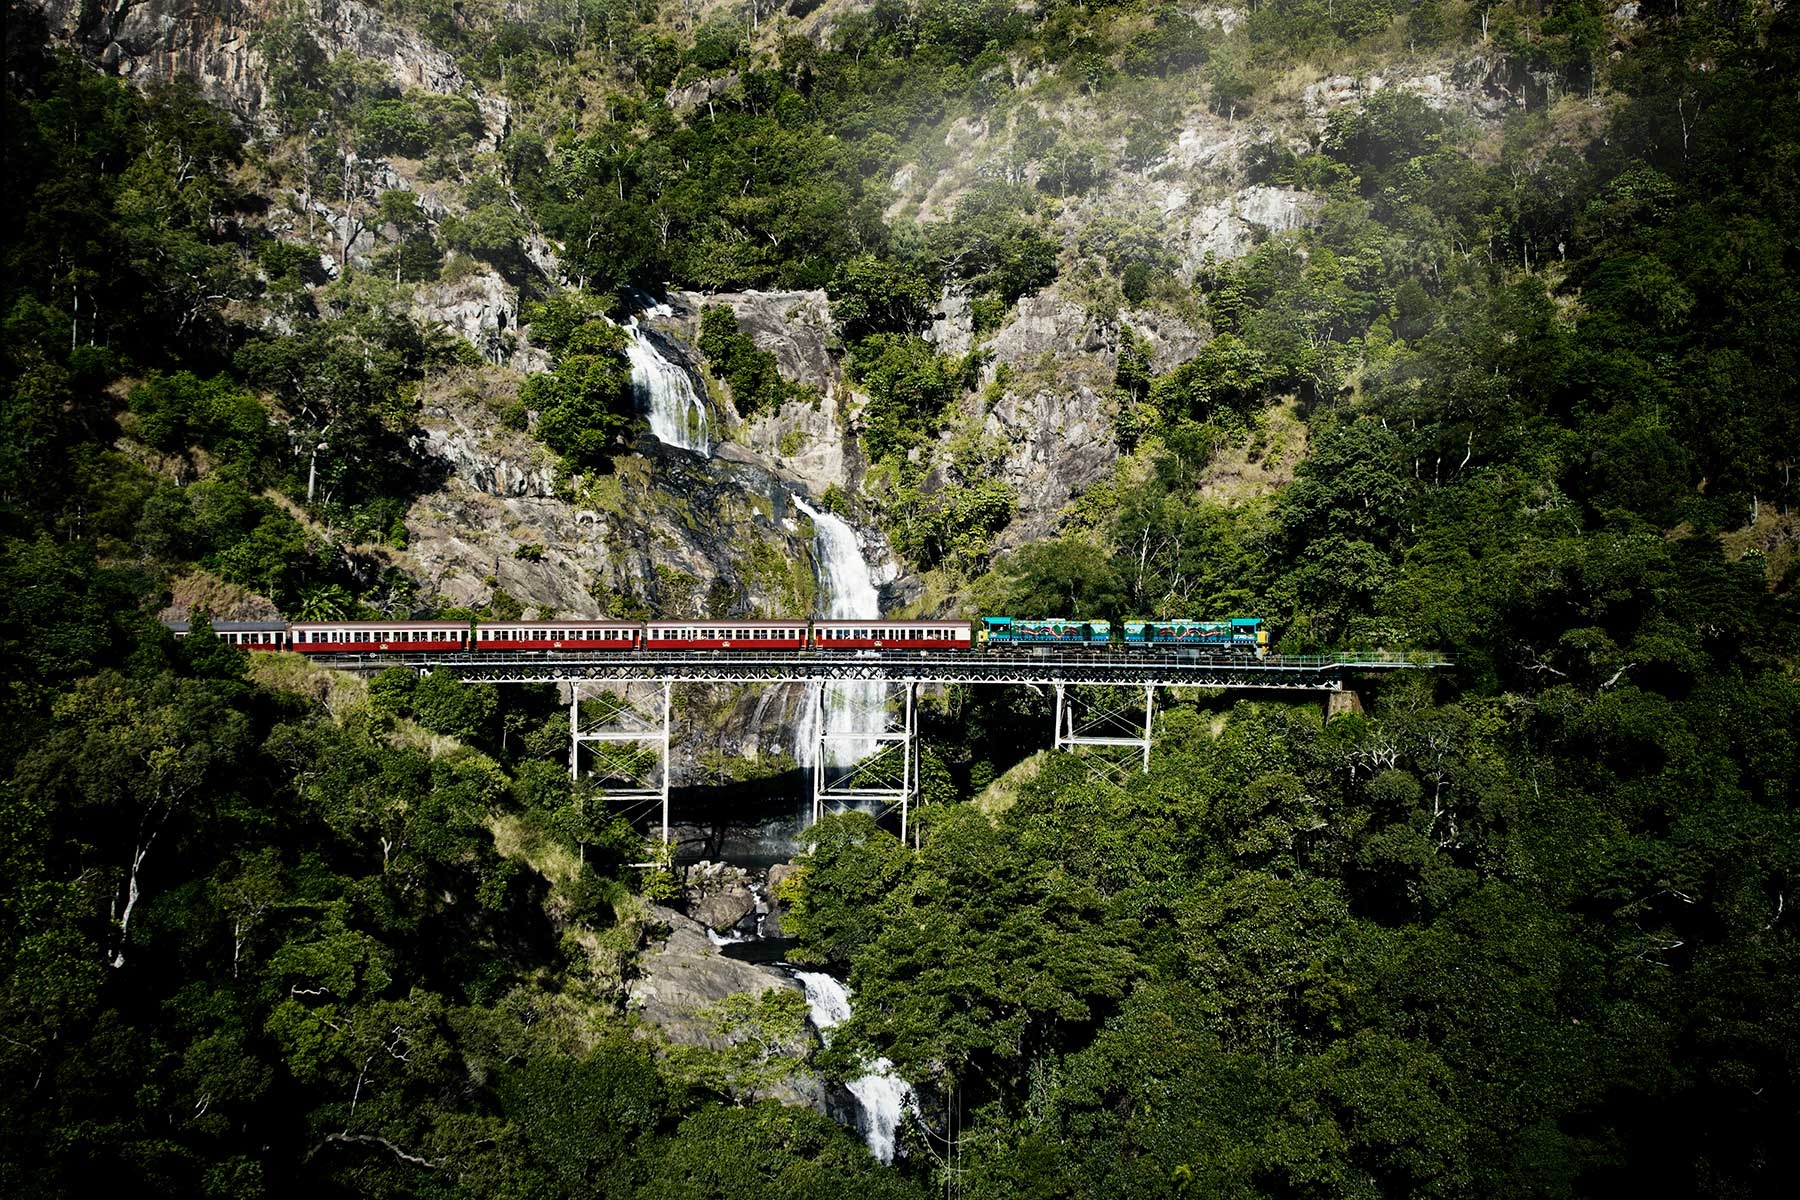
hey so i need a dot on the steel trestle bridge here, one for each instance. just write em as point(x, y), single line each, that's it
point(628, 747)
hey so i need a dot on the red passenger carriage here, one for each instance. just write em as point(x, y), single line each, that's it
point(892, 635)
point(379, 637)
point(557, 635)
point(247, 635)
point(746, 634)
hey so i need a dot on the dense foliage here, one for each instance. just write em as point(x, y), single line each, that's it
point(1522, 928)
point(1523, 931)
point(257, 935)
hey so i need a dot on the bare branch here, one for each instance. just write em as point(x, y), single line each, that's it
point(368, 1139)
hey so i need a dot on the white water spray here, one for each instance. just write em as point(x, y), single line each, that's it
point(850, 708)
point(881, 1098)
point(666, 393)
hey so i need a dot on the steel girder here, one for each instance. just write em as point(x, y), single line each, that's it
point(1312, 673)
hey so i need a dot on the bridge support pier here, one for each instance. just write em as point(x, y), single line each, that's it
point(628, 751)
point(887, 770)
point(1113, 725)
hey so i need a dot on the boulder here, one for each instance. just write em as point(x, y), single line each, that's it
point(718, 895)
point(779, 874)
point(681, 972)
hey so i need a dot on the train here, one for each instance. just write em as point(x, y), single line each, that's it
point(1232, 636)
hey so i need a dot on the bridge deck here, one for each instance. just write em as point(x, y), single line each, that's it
point(1313, 672)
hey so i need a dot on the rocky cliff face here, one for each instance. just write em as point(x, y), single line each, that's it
point(662, 533)
point(216, 45)
point(805, 441)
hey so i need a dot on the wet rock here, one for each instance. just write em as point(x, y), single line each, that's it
point(681, 972)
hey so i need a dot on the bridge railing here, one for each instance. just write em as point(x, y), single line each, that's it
point(1380, 659)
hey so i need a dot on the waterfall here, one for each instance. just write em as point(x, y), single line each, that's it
point(881, 1098)
point(666, 393)
point(848, 592)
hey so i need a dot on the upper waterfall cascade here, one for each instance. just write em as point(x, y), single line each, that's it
point(881, 1098)
point(678, 415)
point(848, 587)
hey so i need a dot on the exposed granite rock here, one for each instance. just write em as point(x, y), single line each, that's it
point(779, 875)
point(1046, 324)
point(952, 328)
point(664, 530)
point(1472, 85)
point(481, 452)
point(218, 46)
point(1172, 340)
point(701, 91)
point(199, 590)
point(1230, 228)
point(793, 326)
point(804, 440)
point(483, 310)
point(717, 895)
point(682, 972)
point(214, 44)
point(1056, 416)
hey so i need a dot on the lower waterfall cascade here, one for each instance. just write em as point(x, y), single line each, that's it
point(882, 1099)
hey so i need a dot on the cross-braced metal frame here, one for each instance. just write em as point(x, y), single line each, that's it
point(629, 753)
point(885, 766)
point(1080, 722)
point(616, 738)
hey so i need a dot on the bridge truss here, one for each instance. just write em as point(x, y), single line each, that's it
point(626, 747)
